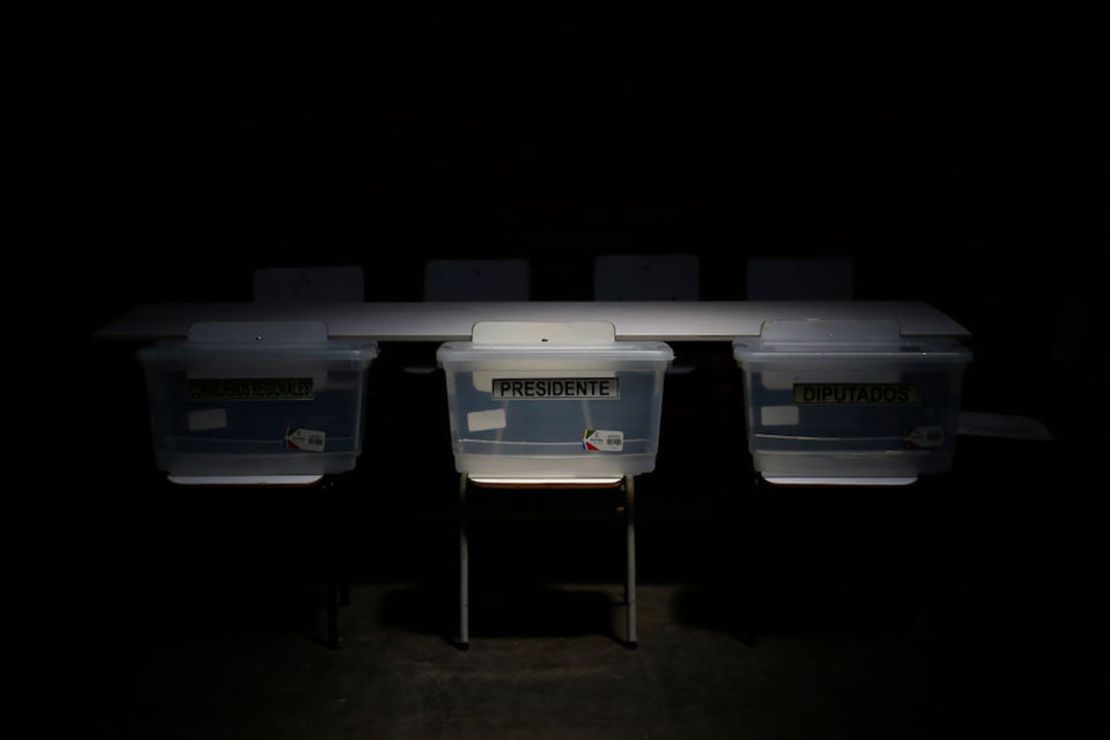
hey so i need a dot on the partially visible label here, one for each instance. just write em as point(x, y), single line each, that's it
point(555, 389)
point(859, 394)
point(776, 381)
point(925, 437)
point(249, 389)
point(602, 440)
point(305, 439)
point(779, 416)
point(483, 421)
point(206, 420)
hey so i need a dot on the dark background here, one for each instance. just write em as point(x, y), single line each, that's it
point(956, 155)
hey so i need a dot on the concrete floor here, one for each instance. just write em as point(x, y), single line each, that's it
point(846, 660)
point(393, 679)
point(945, 610)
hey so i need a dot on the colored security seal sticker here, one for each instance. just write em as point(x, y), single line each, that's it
point(925, 437)
point(305, 439)
point(602, 440)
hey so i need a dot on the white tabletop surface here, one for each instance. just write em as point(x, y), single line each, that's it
point(438, 322)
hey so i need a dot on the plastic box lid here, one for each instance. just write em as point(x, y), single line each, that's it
point(594, 340)
point(844, 338)
point(299, 339)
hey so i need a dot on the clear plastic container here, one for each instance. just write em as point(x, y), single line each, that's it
point(553, 401)
point(850, 399)
point(254, 399)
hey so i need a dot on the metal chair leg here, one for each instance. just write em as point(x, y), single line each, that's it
point(630, 555)
point(463, 641)
point(750, 552)
point(331, 500)
point(333, 613)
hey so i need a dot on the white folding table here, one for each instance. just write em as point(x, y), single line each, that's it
point(670, 321)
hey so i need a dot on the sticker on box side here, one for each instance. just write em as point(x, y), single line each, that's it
point(206, 420)
point(249, 389)
point(925, 437)
point(310, 440)
point(779, 416)
point(556, 389)
point(484, 421)
point(602, 440)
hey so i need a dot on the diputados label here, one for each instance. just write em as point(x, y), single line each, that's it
point(859, 394)
point(556, 389)
point(249, 389)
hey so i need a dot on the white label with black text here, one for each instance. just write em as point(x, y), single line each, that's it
point(556, 389)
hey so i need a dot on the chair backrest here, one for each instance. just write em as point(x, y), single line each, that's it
point(801, 279)
point(311, 284)
point(666, 277)
point(476, 280)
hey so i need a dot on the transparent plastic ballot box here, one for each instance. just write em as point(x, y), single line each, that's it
point(850, 399)
point(257, 399)
point(553, 400)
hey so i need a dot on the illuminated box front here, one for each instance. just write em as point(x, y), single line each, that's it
point(528, 400)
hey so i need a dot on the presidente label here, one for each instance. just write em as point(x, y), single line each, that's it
point(555, 389)
point(857, 394)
